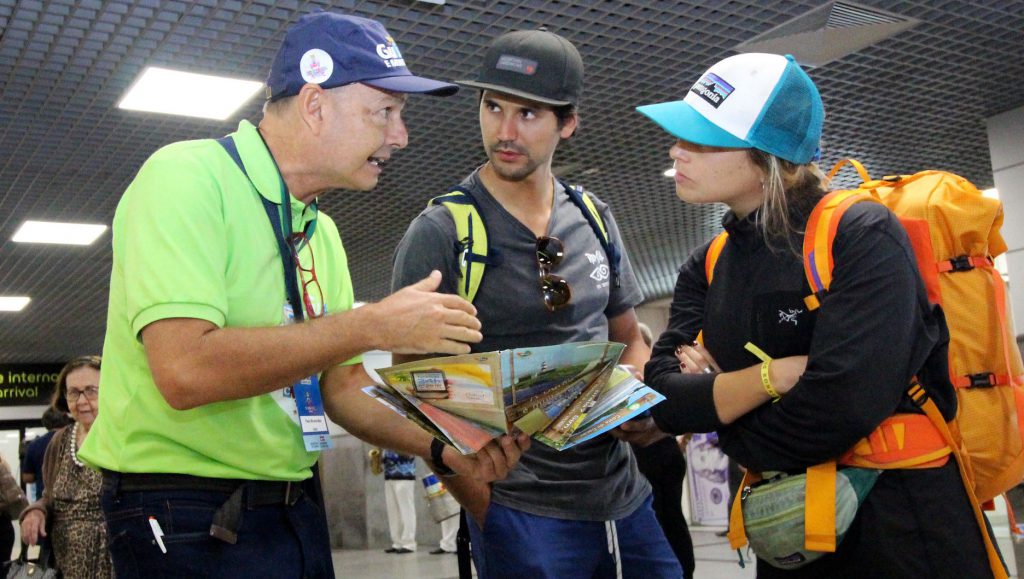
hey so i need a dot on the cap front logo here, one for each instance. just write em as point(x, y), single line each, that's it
point(516, 64)
point(390, 54)
point(316, 66)
point(713, 89)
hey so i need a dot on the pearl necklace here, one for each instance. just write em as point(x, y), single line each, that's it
point(74, 446)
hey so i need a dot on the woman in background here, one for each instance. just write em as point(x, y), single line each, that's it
point(70, 505)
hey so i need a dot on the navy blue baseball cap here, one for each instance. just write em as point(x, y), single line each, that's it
point(332, 50)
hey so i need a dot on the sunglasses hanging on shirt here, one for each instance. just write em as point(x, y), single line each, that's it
point(554, 289)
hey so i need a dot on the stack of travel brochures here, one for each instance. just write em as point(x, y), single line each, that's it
point(561, 395)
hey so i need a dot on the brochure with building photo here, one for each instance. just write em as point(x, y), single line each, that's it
point(561, 395)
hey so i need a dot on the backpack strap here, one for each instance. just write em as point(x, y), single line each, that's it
point(471, 246)
point(471, 230)
point(920, 397)
point(582, 200)
point(820, 232)
point(819, 236)
point(714, 251)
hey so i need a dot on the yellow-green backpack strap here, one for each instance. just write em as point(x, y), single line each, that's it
point(589, 204)
point(472, 239)
point(583, 201)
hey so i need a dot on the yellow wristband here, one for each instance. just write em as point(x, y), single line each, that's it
point(766, 381)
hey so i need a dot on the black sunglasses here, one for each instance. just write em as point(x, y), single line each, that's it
point(555, 290)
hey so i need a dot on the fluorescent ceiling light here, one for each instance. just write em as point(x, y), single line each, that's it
point(59, 233)
point(991, 193)
point(670, 172)
point(173, 92)
point(13, 303)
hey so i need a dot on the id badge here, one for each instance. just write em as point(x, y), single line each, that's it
point(307, 405)
point(312, 418)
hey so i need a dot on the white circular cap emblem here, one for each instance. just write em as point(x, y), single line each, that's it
point(316, 66)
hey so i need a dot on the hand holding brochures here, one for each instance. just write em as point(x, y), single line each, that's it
point(561, 395)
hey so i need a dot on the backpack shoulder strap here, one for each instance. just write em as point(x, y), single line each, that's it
point(714, 250)
point(471, 246)
point(582, 200)
point(819, 236)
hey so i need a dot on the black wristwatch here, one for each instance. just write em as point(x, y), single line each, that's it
point(436, 448)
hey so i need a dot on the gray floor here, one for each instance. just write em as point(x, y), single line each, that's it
point(714, 561)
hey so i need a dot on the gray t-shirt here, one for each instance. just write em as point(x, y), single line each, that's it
point(594, 481)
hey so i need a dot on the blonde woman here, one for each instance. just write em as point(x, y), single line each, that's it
point(746, 135)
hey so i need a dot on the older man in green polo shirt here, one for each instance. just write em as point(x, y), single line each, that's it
point(230, 307)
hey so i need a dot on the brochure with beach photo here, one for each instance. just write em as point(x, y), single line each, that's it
point(561, 395)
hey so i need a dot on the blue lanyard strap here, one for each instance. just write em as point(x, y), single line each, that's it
point(291, 286)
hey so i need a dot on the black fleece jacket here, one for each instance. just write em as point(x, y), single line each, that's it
point(873, 332)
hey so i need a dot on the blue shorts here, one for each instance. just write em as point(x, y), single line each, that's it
point(515, 545)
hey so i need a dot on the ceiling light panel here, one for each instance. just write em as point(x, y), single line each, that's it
point(58, 233)
point(175, 92)
point(13, 303)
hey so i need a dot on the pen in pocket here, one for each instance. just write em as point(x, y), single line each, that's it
point(158, 533)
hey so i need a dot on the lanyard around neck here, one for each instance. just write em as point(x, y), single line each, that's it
point(281, 234)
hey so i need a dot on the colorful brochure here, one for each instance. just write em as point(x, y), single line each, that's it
point(561, 395)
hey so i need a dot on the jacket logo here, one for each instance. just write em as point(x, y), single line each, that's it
point(789, 316)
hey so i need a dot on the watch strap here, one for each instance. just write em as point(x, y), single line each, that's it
point(437, 458)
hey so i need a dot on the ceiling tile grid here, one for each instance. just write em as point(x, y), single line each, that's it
point(914, 101)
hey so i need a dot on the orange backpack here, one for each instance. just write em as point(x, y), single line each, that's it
point(954, 232)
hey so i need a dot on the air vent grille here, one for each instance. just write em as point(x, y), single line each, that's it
point(829, 32)
point(846, 15)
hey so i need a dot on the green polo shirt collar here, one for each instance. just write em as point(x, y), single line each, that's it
point(263, 172)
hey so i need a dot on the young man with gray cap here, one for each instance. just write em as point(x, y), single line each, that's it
point(585, 511)
point(212, 408)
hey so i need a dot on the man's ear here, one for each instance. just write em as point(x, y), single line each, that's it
point(310, 102)
point(568, 129)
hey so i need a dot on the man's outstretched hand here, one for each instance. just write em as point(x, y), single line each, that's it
point(419, 320)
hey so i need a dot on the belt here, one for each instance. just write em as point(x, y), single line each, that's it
point(242, 493)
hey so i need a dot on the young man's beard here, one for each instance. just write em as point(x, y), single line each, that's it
point(508, 173)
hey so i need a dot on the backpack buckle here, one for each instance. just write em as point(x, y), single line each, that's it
point(982, 380)
point(462, 249)
point(961, 263)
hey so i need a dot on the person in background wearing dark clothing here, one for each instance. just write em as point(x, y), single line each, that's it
point(12, 501)
point(664, 465)
point(32, 466)
point(747, 135)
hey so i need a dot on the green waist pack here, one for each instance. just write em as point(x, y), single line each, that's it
point(773, 514)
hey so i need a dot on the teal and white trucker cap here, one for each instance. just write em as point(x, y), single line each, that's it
point(753, 100)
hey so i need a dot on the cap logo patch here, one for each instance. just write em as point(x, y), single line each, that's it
point(517, 64)
point(713, 89)
point(316, 66)
point(389, 53)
